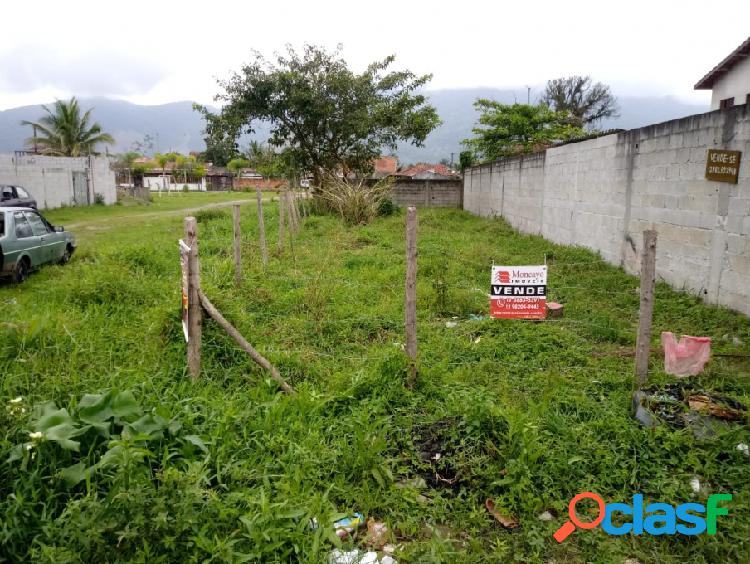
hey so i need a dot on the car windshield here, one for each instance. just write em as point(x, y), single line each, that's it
point(21, 192)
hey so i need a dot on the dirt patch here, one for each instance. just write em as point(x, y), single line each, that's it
point(435, 446)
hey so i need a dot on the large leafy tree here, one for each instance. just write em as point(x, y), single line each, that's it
point(511, 129)
point(66, 132)
point(327, 117)
point(585, 102)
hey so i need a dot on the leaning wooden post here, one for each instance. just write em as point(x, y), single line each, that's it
point(646, 312)
point(195, 313)
point(237, 247)
point(411, 293)
point(215, 314)
point(262, 228)
point(281, 222)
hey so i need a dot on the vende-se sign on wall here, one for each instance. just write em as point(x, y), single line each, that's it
point(723, 166)
point(518, 292)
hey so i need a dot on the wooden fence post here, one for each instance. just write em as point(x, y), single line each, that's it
point(646, 311)
point(237, 246)
point(195, 313)
point(295, 208)
point(411, 294)
point(262, 228)
point(281, 222)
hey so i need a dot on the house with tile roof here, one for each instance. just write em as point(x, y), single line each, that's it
point(427, 171)
point(729, 81)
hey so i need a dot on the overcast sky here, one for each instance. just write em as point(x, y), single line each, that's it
point(155, 52)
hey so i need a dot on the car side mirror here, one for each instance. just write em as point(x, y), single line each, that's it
point(59, 228)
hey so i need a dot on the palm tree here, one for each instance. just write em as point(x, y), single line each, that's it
point(65, 132)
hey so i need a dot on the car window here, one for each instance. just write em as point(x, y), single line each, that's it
point(23, 229)
point(2, 224)
point(50, 227)
point(7, 193)
point(22, 193)
point(37, 225)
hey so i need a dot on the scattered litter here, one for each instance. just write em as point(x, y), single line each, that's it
point(743, 448)
point(695, 484)
point(389, 549)
point(347, 525)
point(505, 520)
point(477, 316)
point(555, 309)
point(631, 561)
point(682, 405)
point(339, 556)
point(476, 341)
point(377, 534)
point(450, 324)
point(734, 340)
point(703, 404)
point(416, 483)
point(355, 556)
point(686, 357)
point(640, 412)
point(546, 516)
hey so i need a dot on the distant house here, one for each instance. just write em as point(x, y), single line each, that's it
point(426, 171)
point(384, 166)
point(218, 179)
point(729, 81)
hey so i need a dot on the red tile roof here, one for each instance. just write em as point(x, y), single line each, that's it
point(440, 169)
point(385, 165)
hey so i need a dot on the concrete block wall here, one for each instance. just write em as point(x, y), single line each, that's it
point(428, 193)
point(602, 193)
point(50, 179)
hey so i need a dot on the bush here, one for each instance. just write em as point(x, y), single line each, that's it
point(99, 199)
point(386, 207)
point(355, 201)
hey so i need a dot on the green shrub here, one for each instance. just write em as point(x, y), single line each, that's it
point(354, 200)
point(386, 207)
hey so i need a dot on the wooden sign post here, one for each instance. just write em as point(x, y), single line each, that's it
point(195, 314)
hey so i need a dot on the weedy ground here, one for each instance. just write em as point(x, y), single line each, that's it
point(114, 454)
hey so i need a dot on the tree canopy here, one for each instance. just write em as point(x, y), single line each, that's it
point(65, 132)
point(511, 129)
point(326, 116)
point(584, 101)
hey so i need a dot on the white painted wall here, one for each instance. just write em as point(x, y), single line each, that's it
point(50, 179)
point(603, 193)
point(734, 84)
point(164, 183)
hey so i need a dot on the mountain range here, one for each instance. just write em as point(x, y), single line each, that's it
point(177, 127)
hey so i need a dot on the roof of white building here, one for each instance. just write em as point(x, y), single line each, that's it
point(707, 82)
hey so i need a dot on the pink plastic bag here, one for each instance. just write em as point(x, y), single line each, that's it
point(686, 357)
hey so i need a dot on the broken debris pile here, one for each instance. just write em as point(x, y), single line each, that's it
point(680, 405)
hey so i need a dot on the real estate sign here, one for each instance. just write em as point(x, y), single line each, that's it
point(518, 292)
point(184, 252)
point(723, 166)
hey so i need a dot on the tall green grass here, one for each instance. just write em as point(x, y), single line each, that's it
point(526, 413)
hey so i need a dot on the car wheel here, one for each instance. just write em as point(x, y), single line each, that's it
point(65, 256)
point(22, 271)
